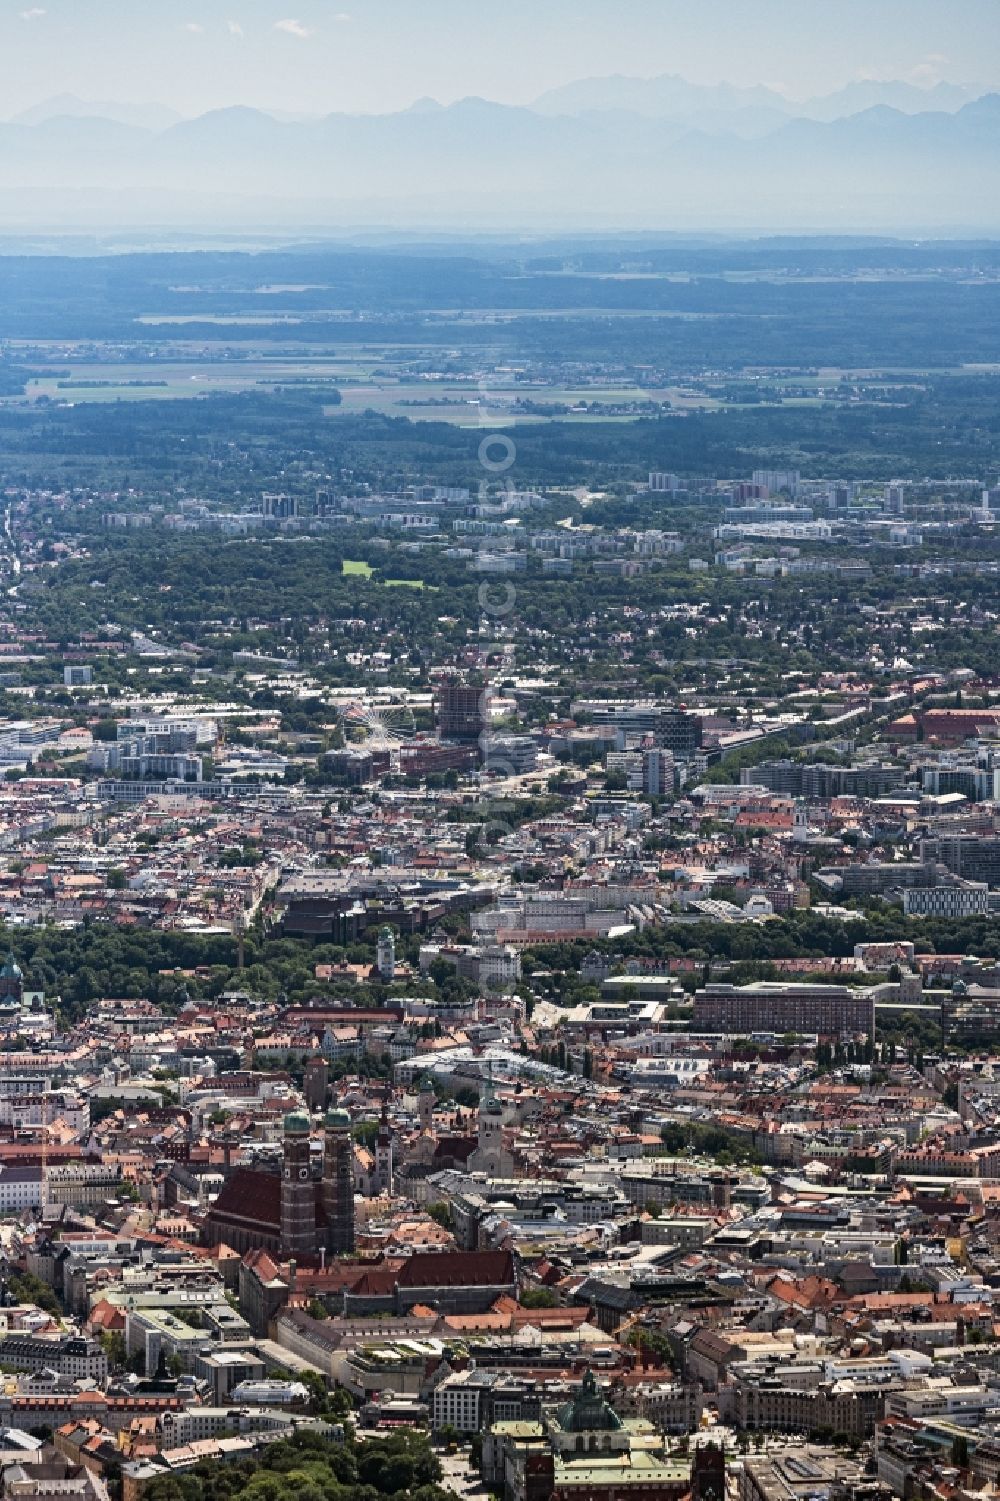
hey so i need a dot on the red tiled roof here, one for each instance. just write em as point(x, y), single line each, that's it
point(375, 1282)
point(458, 1148)
point(458, 1269)
point(251, 1196)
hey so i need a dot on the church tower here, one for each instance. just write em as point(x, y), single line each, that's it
point(338, 1182)
point(490, 1124)
point(298, 1193)
point(385, 955)
point(490, 1156)
point(426, 1100)
point(708, 1473)
point(383, 1153)
point(11, 979)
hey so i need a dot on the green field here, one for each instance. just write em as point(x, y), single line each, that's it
point(363, 570)
point(390, 379)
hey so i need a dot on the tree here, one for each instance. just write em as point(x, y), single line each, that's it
point(538, 1297)
point(306, 1465)
point(24, 1287)
point(112, 1342)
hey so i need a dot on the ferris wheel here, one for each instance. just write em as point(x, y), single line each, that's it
point(379, 726)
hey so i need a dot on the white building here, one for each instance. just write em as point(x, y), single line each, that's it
point(20, 1188)
point(458, 1401)
point(968, 900)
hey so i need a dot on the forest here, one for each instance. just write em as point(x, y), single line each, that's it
point(722, 304)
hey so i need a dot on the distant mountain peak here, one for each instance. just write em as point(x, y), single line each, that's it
point(662, 96)
point(722, 162)
point(668, 95)
point(145, 116)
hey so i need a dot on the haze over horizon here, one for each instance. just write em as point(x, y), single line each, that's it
point(225, 114)
point(321, 56)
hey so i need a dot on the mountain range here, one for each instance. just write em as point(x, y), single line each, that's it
point(652, 153)
point(668, 96)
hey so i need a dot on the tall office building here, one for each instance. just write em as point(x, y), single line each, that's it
point(279, 507)
point(657, 772)
point(773, 480)
point(679, 732)
point(463, 710)
point(971, 856)
point(663, 483)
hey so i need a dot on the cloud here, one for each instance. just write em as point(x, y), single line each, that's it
point(930, 70)
point(343, 15)
point(235, 29)
point(32, 14)
point(291, 27)
point(194, 26)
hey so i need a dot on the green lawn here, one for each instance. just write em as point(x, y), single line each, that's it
point(365, 571)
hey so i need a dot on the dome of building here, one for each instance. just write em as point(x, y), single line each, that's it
point(297, 1123)
point(337, 1118)
point(588, 1412)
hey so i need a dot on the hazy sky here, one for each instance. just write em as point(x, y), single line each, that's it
point(324, 55)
